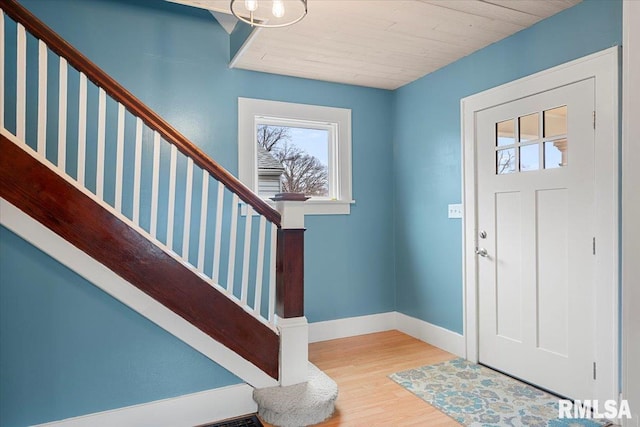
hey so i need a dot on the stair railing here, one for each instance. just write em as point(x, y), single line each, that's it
point(141, 169)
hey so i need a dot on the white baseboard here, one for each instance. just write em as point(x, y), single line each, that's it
point(431, 334)
point(424, 331)
point(236, 400)
point(228, 402)
point(188, 410)
point(351, 326)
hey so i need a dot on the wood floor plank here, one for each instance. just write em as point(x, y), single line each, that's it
point(367, 397)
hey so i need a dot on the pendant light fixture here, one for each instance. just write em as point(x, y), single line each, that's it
point(269, 13)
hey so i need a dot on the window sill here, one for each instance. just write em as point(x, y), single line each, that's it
point(328, 207)
point(315, 207)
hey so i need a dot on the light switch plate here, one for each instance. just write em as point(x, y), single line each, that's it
point(455, 210)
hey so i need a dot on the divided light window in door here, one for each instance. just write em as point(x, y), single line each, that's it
point(532, 142)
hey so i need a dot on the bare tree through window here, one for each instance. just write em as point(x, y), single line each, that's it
point(303, 172)
point(506, 161)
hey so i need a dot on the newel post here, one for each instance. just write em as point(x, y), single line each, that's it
point(290, 320)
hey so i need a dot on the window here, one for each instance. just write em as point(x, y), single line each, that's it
point(285, 147)
point(520, 147)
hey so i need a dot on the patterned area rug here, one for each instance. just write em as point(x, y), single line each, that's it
point(477, 396)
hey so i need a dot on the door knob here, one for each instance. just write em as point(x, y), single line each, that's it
point(481, 251)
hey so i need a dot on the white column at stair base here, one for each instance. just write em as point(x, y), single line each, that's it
point(294, 350)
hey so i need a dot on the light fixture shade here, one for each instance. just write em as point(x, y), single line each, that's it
point(269, 13)
point(251, 5)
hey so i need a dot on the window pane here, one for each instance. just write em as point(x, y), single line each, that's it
point(505, 133)
point(506, 161)
point(529, 127)
point(529, 157)
point(555, 154)
point(555, 122)
point(293, 160)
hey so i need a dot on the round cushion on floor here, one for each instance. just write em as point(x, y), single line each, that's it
point(299, 405)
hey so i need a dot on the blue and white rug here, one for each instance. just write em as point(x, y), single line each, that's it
point(477, 396)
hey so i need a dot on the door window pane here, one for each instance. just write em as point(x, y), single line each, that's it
point(505, 133)
point(506, 161)
point(555, 154)
point(529, 157)
point(555, 122)
point(528, 126)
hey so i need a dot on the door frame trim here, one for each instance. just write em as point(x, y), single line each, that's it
point(630, 209)
point(603, 67)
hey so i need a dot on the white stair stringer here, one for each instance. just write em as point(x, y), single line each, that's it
point(96, 273)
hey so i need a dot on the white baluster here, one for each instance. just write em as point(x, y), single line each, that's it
point(218, 234)
point(102, 117)
point(21, 84)
point(21, 122)
point(172, 195)
point(232, 243)
point(137, 171)
point(260, 266)
point(42, 98)
point(247, 255)
point(62, 115)
point(2, 68)
point(203, 219)
point(272, 273)
point(154, 184)
point(82, 128)
point(186, 230)
point(119, 158)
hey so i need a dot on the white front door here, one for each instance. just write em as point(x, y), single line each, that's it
point(535, 224)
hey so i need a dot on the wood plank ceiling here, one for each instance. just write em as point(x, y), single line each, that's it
point(384, 43)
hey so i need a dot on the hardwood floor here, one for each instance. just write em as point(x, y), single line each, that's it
point(360, 365)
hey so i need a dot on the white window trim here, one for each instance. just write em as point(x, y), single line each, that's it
point(250, 111)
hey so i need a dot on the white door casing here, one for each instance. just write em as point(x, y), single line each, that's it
point(535, 281)
point(602, 67)
point(631, 209)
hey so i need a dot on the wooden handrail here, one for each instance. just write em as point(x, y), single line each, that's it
point(54, 202)
point(101, 79)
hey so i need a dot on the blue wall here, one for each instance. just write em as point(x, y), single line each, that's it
point(69, 349)
point(403, 255)
point(174, 58)
point(427, 149)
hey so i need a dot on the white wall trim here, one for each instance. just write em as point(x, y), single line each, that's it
point(603, 66)
point(361, 325)
point(630, 209)
point(183, 411)
point(252, 111)
point(432, 334)
point(64, 252)
point(351, 326)
point(232, 401)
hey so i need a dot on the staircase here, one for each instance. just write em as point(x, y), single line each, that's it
point(120, 184)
